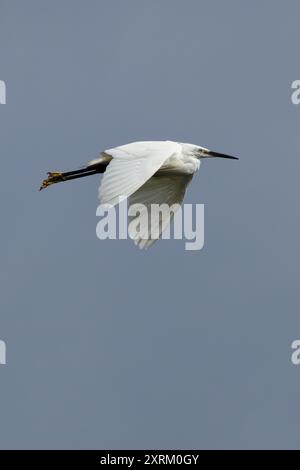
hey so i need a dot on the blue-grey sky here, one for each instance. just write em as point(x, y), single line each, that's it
point(109, 346)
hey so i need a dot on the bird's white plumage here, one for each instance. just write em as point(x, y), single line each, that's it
point(148, 173)
point(131, 166)
point(161, 190)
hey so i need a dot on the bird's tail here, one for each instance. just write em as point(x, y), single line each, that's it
point(57, 176)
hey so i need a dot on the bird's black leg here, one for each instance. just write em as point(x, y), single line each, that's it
point(56, 177)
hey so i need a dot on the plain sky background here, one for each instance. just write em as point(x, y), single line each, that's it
point(109, 346)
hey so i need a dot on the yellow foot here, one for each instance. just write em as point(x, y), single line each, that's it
point(55, 177)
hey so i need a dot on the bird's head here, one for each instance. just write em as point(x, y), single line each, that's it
point(202, 152)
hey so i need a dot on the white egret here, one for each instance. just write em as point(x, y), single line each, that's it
point(153, 172)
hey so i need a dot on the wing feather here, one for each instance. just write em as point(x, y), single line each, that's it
point(131, 166)
point(161, 189)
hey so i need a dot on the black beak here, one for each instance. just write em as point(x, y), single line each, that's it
point(220, 155)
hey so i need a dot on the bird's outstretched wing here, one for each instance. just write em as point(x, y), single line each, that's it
point(158, 190)
point(131, 166)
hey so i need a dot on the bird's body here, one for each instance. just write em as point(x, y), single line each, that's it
point(181, 163)
point(153, 172)
point(181, 159)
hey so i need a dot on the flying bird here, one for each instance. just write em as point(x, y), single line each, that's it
point(153, 172)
